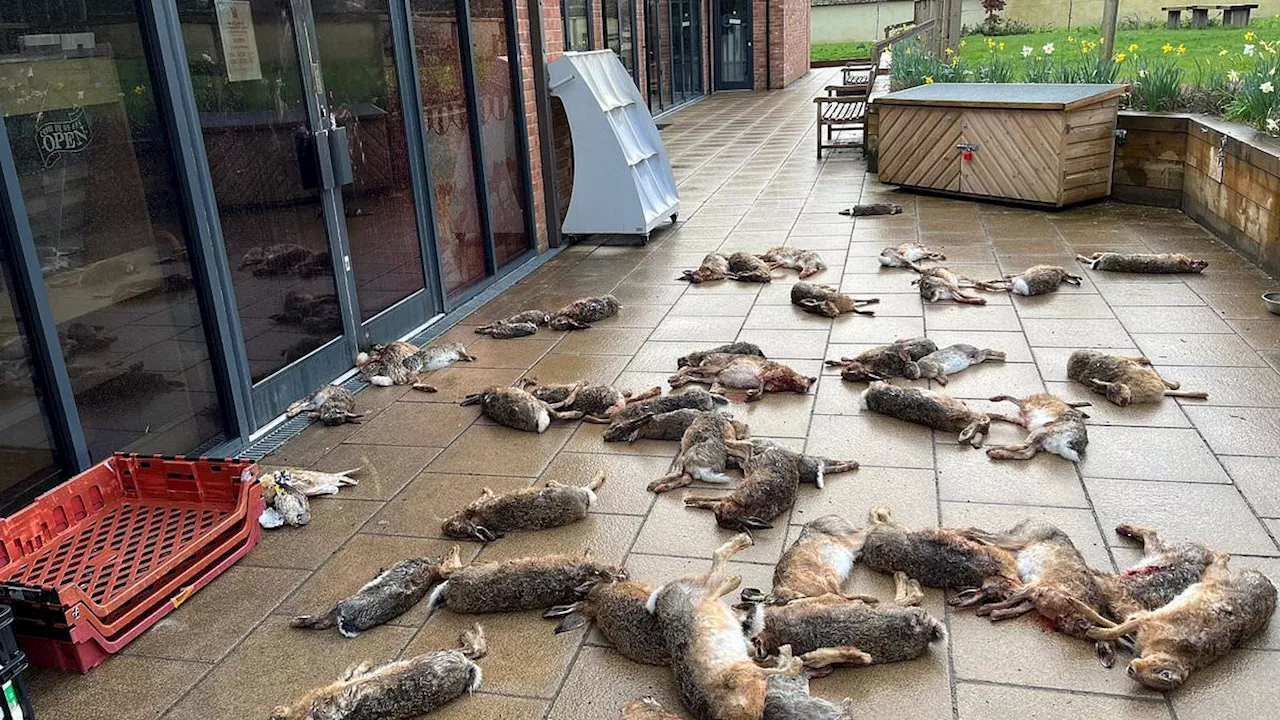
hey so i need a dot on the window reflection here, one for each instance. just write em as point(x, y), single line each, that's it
point(26, 445)
point(99, 187)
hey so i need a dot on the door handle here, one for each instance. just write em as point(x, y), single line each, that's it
point(967, 147)
point(340, 154)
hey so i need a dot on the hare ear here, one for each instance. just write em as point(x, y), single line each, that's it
point(902, 353)
point(809, 302)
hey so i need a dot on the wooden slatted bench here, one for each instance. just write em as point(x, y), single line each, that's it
point(845, 107)
point(1233, 14)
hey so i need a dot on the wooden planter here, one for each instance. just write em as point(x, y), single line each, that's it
point(1036, 143)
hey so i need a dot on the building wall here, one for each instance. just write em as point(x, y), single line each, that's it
point(794, 33)
point(867, 21)
point(532, 121)
point(1074, 13)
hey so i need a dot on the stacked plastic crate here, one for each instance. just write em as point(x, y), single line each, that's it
point(93, 563)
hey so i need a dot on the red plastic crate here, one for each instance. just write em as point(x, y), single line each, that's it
point(129, 535)
point(84, 647)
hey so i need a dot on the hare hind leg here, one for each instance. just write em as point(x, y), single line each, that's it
point(840, 655)
point(906, 590)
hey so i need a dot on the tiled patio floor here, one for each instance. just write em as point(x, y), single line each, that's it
point(1204, 470)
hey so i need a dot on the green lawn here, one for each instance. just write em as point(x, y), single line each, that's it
point(1203, 45)
point(840, 51)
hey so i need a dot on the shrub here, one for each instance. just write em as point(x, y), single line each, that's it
point(1156, 82)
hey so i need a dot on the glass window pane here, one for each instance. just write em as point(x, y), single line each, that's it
point(577, 28)
point(248, 90)
point(626, 35)
point(357, 55)
point(26, 442)
point(500, 110)
point(103, 201)
point(444, 108)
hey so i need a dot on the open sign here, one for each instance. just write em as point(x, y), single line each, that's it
point(71, 134)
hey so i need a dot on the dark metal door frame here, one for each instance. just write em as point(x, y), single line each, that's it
point(717, 37)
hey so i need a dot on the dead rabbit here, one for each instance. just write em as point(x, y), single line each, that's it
point(388, 596)
point(537, 508)
point(646, 708)
point(715, 266)
point(814, 469)
point(1199, 626)
point(734, 348)
point(400, 363)
point(952, 359)
point(1055, 426)
point(330, 404)
point(518, 409)
point(908, 255)
point(745, 267)
point(898, 359)
point(518, 325)
point(619, 609)
point(1145, 263)
point(806, 262)
point(829, 630)
point(787, 695)
point(939, 283)
point(396, 690)
point(704, 452)
point(1054, 574)
point(528, 583)
point(1039, 280)
point(711, 656)
point(826, 301)
point(931, 409)
point(1123, 380)
point(597, 403)
point(942, 558)
point(755, 375)
point(771, 479)
point(581, 313)
point(819, 561)
point(664, 426)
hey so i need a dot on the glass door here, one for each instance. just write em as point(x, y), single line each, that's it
point(732, 45)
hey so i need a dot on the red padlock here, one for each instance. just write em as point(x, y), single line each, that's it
point(968, 155)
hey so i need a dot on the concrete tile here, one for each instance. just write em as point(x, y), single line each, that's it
point(523, 454)
point(310, 444)
point(877, 330)
point(950, 316)
point(603, 341)
point(786, 317)
point(602, 682)
point(457, 381)
point(781, 415)
point(673, 529)
point(902, 691)
point(358, 562)
point(1004, 702)
point(149, 684)
point(701, 329)
point(631, 293)
point(624, 491)
point(874, 440)
point(1186, 349)
point(1075, 333)
point(990, 379)
point(416, 424)
point(1026, 651)
point(1014, 344)
point(1144, 294)
point(656, 356)
point(1063, 305)
point(1261, 334)
point(606, 537)
point(1238, 687)
point(208, 625)
point(1239, 387)
point(298, 661)
point(383, 469)
point(423, 505)
point(483, 706)
point(786, 345)
point(968, 475)
point(1237, 307)
point(1255, 477)
point(1238, 431)
point(1171, 320)
point(1177, 455)
point(522, 355)
point(560, 367)
point(911, 493)
point(333, 521)
point(708, 305)
point(1212, 514)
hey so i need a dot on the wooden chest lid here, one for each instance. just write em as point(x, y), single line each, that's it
point(1009, 96)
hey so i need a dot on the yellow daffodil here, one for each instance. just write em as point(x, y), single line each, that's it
point(1070, 39)
point(1249, 36)
point(1001, 46)
point(1120, 57)
point(1182, 49)
point(1133, 47)
point(928, 80)
point(949, 52)
point(1167, 48)
point(962, 42)
point(1222, 52)
point(138, 89)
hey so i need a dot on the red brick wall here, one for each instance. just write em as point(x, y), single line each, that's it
point(597, 24)
point(794, 34)
point(531, 119)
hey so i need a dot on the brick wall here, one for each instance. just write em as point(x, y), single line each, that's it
point(531, 118)
point(794, 33)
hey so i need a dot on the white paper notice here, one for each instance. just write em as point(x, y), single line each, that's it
point(235, 21)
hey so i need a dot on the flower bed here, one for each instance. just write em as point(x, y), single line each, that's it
point(1239, 83)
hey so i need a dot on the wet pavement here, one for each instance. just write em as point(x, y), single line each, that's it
point(1205, 470)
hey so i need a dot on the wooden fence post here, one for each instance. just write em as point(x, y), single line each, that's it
point(1110, 15)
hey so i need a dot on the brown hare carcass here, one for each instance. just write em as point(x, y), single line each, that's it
point(537, 508)
point(899, 359)
point(771, 479)
point(931, 409)
point(1123, 380)
point(826, 301)
point(1055, 426)
point(1145, 263)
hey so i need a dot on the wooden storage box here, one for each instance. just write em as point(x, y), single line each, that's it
point(1046, 144)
